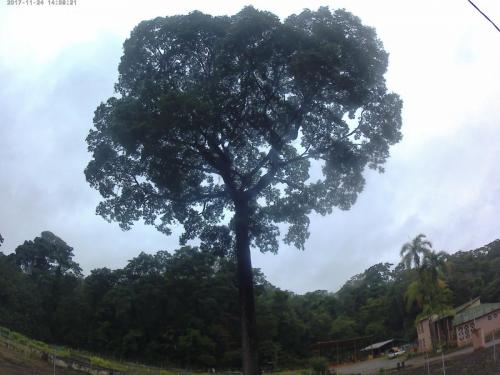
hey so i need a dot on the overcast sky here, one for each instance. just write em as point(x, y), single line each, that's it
point(57, 63)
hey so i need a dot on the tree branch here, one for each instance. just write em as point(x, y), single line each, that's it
point(276, 164)
point(221, 166)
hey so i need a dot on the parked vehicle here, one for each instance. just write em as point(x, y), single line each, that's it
point(395, 352)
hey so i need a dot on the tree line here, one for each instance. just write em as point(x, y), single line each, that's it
point(178, 308)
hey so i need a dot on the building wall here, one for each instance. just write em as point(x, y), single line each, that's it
point(424, 335)
point(488, 323)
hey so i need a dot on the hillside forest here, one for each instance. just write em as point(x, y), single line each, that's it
point(178, 308)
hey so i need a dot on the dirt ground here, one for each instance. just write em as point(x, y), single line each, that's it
point(15, 363)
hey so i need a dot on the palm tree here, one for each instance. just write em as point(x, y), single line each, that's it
point(428, 291)
point(414, 251)
point(435, 265)
point(415, 294)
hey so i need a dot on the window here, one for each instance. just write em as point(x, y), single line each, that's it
point(489, 317)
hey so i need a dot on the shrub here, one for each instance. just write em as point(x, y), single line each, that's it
point(319, 365)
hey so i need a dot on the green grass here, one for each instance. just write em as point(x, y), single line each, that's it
point(26, 345)
point(20, 339)
point(105, 363)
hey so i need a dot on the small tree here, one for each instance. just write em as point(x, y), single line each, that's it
point(230, 114)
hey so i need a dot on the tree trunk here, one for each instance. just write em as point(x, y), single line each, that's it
point(245, 287)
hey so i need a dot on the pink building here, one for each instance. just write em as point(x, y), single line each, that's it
point(485, 317)
point(437, 330)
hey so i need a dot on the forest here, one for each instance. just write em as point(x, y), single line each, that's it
point(178, 308)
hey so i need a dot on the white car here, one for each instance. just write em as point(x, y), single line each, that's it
point(395, 352)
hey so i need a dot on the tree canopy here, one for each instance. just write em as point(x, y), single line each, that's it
point(210, 110)
point(47, 253)
point(415, 251)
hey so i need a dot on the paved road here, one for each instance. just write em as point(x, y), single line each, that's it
point(374, 365)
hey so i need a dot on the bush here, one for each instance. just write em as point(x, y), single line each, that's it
point(4, 332)
point(319, 365)
point(106, 364)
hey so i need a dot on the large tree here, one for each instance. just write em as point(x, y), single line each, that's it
point(243, 115)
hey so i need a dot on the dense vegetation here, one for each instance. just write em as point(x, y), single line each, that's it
point(178, 308)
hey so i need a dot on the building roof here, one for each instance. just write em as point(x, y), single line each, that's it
point(475, 312)
point(339, 342)
point(466, 305)
point(377, 345)
point(451, 313)
point(352, 339)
